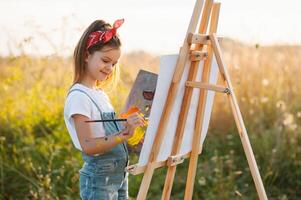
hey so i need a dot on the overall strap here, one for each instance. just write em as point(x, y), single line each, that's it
point(88, 96)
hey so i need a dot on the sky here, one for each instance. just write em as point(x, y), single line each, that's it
point(44, 27)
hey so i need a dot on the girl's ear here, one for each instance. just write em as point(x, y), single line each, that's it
point(87, 54)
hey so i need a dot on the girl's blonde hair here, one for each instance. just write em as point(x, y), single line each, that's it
point(80, 53)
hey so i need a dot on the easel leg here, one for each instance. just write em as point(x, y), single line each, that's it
point(200, 110)
point(197, 134)
point(239, 122)
point(145, 182)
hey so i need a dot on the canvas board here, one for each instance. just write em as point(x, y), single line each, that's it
point(166, 71)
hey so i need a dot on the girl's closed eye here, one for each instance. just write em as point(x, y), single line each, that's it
point(108, 61)
point(105, 61)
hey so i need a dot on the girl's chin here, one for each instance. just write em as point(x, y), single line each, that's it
point(102, 78)
point(104, 75)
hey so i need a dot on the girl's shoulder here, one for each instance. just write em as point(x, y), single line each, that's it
point(103, 93)
point(79, 92)
point(80, 88)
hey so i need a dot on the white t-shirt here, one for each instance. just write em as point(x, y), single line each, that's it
point(79, 103)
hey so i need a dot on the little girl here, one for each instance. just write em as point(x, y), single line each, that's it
point(102, 144)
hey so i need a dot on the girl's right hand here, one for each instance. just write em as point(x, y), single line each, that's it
point(133, 121)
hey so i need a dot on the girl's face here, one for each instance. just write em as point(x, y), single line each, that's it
point(100, 64)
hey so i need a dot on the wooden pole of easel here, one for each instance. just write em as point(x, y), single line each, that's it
point(185, 105)
point(239, 120)
point(193, 161)
point(184, 51)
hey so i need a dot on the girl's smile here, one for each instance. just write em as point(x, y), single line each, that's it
point(100, 65)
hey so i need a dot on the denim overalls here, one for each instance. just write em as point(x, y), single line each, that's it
point(102, 177)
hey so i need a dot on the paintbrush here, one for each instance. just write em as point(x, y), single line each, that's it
point(110, 120)
point(107, 120)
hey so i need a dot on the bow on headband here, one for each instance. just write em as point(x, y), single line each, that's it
point(104, 36)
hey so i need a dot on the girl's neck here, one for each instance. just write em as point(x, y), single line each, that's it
point(89, 83)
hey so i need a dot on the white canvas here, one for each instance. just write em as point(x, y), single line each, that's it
point(167, 67)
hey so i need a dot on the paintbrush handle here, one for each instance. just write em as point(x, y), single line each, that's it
point(110, 120)
point(106, 120)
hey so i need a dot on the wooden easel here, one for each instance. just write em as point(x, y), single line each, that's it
point(196, 47)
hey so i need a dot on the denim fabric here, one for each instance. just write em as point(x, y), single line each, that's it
point(103, 177)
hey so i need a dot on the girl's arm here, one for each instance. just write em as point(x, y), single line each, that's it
point(100, 145)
